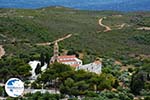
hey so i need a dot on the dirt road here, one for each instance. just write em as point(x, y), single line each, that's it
point(107, 28)
point(122, 26)
point(58, 40)
point(2, 51)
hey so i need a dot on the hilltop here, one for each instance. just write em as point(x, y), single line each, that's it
point(21, 29)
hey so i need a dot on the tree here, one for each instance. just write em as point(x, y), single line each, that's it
point(71, 87)
point(147, 98)
point(47, 59)
point(42, 59)
point(83, 75)
point(137, 82)
point(1, 91)
point(38, 69)
point(60, 68)
point(66, 87)
point(54, 74)
point(4, 74)
point(106, 81)
point(35, 85)
point(24, 70)
point(81, 86)
point(14, 67)
point(94, 82)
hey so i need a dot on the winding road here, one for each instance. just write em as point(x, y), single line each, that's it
point(2, 51)
point(58, 40)
point(107, 28)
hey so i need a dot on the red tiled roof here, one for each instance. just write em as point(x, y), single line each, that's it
point(68, 56)
point(72, 60)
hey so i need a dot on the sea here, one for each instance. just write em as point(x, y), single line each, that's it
point(115, 5)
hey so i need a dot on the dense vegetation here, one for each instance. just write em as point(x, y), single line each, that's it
point(112, 83)
point(21, 29)
point(13, 67)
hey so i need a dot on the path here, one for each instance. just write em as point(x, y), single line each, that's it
point(51, 91)
point(2, 35)
point(58, 40)
point(144, 28)
point(2, 51)
point(107, 28)
point(122, 26)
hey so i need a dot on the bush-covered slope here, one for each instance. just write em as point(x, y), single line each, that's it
point(21, 29)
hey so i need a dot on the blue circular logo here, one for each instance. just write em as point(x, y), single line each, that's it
point(14, 87)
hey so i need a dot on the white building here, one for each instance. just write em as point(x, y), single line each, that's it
point(33, 65)
point(95, 67)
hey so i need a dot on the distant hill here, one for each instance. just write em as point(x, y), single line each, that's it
point(21, 29)
point(117, 5)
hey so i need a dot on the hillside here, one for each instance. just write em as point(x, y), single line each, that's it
point(21, 29)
